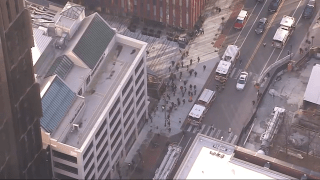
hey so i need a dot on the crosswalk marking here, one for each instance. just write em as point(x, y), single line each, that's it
point(234, 139)
point(212, 132)
point(218, 133)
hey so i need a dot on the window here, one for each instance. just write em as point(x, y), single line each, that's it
point(127, 97)
point(80, 92)
point(115, 129)
point(104, 149)
point(104, 171)
point(116, 150)
point(114, 118)
point(140, 109)
point(104, 136)
point(64, 156)
point(115, 140)
point(129, 128)
point(139, 65)
point(103, 161)
point(127, 108)
point(140, 98)
point(127, 86)
point(139, 88)
point(114, 107)
point(88, 162)
point(65, 167)
point(87, 151)
point(88, 80)
point(90, 171)
point(139, 77)
point(101, 128)
point(128, 118)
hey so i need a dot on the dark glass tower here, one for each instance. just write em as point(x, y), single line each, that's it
point(20, 102)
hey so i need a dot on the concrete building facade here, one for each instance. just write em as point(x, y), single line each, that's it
point(94, 93)
point(20, 103)
point(176, 13)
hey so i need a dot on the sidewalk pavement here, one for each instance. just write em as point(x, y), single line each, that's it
point(161, 53)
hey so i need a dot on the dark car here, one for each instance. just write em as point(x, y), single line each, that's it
point(274, 5)
point(151, 32)
point(144, 31)
point(261, 25)
point(158, 34)
point(309, 9)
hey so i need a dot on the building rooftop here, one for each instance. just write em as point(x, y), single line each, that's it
point(72, 10)
point(63, 72)
point(312, 93)
point(209, 158)
point(41, 42)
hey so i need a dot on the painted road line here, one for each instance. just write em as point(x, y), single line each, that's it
point(212, 132)
point(234, 70)
point(253, 23)
point(186, 145)
point(238, 74)
point(296, 8)
point(245, 24)
point(181, 140)
point(208, 128)
point(189, 129)
point(267, 61)
point(263, 36)
point(202, 128)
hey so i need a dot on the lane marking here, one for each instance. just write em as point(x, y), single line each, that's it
point(267, 61)
point(186, 146)
point(246, 23)
point(189, 129)
point(207, 130)
point(181, 140)
point(262, 38)
point(217, 135)
point(296, 8)
point(253, 24)
point(233, 71)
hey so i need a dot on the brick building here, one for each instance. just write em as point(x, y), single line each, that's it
point(177, 13)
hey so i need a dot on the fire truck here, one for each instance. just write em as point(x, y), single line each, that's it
point(283, 32)
point(227, 63)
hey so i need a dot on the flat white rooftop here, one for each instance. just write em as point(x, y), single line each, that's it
point(209, 158)
point(106, 84)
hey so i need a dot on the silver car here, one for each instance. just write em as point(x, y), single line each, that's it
point(241, 83)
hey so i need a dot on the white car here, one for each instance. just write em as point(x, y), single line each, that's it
point(241, 83)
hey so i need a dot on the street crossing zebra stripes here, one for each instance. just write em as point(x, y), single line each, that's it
point(212, 132)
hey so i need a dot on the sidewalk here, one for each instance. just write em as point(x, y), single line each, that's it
point(161, 54)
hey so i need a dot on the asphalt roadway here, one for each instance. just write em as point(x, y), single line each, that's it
point(232, 108)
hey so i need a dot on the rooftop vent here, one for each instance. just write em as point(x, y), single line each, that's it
point(75, 127)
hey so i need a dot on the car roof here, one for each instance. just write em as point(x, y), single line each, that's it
point(263, 20)
point(312, 2)
point(242, 14)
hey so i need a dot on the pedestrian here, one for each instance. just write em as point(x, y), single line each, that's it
point(174, 93)
point(185, 89)
point(185, 82)
point(184, 101)
point(168, 117)
point(240, 61)
point(264, 44)
point(187, 67)
point(187, 52)
point(180, 74)
point(180, 51)
point(162, 107)
point(178, 103)
point(183, 94)
point(172, 62)
point(172, 104)
point(190, 72)
point(195, 74)
point(190, 86)
point(181, 63)
point(169, 130)
point(253, 102)
point(204, 67)
point(168, 96)
point(219, 10)
point(198, 59)
point(195, 91)
point(177, 68)
point(194, 86)
point(150, 118)
point(146, 120)
point(190, 62)
point(189, 93)
point(178, 99)
point(181, 88)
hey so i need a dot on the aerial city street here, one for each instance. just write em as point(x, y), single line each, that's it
point(162, 89)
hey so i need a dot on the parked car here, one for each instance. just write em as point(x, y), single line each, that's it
point(158, 34)
point(151, 32)
point(144, 31)
point(274, 5)
point(309, 9)
point(261, 25)
point(241, 83)
point(241, 19)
